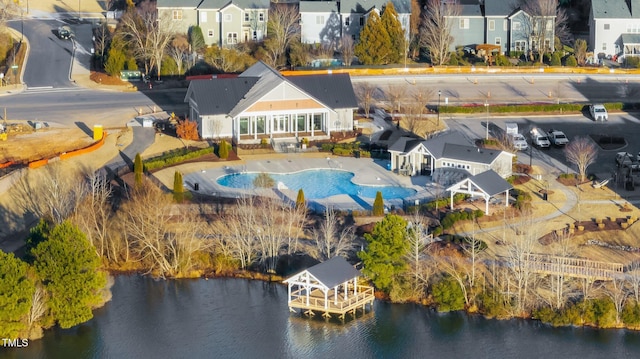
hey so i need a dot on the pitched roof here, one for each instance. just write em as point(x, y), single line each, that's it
point(490, 182)
point(500, 7)
point(470, 8)
point(364, 6)
point(219, 96)
point(318, 6)
point(405, 144)
point(435, 145)
point(333, 272)
point(615, 9)
point(231, 96)
point(630, 38)
point(177, 3)
point(335, 90)
point(470, 153)
point(243, 4)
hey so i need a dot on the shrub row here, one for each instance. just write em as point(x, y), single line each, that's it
point(451, 218)
point(531, 108)
point(344, 149)
point(176, 156)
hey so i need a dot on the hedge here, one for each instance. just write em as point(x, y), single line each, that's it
point(174, 157)
point(532, 108)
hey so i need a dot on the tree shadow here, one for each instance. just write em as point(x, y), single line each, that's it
point(84, 128)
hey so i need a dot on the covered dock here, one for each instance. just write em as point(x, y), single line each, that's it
point(329, 288)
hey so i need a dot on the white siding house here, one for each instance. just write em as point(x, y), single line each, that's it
point(614, 27)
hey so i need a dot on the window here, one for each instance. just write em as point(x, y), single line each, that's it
point(361, 20)
point(498, 41)
point(244, 125)
point(516, 26)
point(232, 38)
point(319, 20)
point(520, 45)
point(607, 26)
point(246, 17)
point(464, 23)
point(346, 21)
point(505, 25)
point(492, 25)
point(177, 14)
point(227, 18)
point(203, 17)
point(210, 33)
point(604, 46)
point(353, 37)
point(261, 17)
point(549, 25)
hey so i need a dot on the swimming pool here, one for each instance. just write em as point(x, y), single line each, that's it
point(318, 184)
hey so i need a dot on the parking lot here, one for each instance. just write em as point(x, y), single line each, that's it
point(552, 160)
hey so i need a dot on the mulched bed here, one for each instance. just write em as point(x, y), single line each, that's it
point(607, 142)
point(589, 226)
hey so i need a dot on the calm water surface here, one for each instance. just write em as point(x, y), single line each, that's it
point(233, 318)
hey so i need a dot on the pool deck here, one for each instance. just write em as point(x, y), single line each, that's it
point(367, 171)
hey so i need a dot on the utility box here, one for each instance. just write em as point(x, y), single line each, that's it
point(147, 122)
point(98, 132)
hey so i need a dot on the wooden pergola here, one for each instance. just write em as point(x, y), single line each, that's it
point(330, 287)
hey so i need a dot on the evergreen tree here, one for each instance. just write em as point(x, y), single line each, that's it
point(68, 266)
point(178, 187)
point(374, 47)
point(137, 169)
point(16, 292)
point(223, 150)
point(196, 39)
point(391, 23)
point(384, 258)
point(378, 205)
point(448, 295)
point(300, 202)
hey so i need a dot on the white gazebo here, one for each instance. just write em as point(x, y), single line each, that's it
point(328, 287)
point(486, 185)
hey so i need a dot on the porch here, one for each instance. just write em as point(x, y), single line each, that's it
point(335, 301)
point(297, 137)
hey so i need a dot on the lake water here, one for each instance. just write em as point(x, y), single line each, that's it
point(234, 318)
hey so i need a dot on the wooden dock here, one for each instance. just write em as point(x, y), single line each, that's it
point(573, 267)
point(336, 302)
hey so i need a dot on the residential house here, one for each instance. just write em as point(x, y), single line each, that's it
point(444, 154)
point(500, 22)
point(325, 22)
point(223, 22)
point(614, 27)
point(262, 104)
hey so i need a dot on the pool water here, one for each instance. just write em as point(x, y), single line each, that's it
point(318, 184)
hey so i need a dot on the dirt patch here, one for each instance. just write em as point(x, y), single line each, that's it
point(44, 143)
point(105, 79)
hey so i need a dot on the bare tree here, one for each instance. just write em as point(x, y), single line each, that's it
point(282, 29)
point(38, 306)
point(178, 50)
point(346, 50)
point(420, 270)
point(9, 9)
point(95, 213)
point(365, 92)
point(102, 36)
point(435, 33)
point(333, 237)
point(540, 24)
point(148, 34)
point(421, 96)
point(618, 294)
point(51, 192)
point(634, 279)
point(395, 95)
point(519, 247)
point(582, 152)
point(559, 284)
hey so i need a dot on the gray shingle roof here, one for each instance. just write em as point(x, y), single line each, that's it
point(177, 3)
point(318, 6)
point(470, 8)
point(630, 38)
point(335, 90)
point(500, 7)
point(243, 4)
point(219, 96)
point(405, 144)
point(469, 153)
point(334, 271)
point(435, 145)
point(363, 6)
point(490, 182)
point(615, 9)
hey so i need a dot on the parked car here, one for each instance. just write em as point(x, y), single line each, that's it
point(518, 140)
point(539, 138)
point(557, 137)
point(64, 32)
point(598, 112)
point(625, 159)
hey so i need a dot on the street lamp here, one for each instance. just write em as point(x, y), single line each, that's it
point(439, 93)
point(486, 105)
